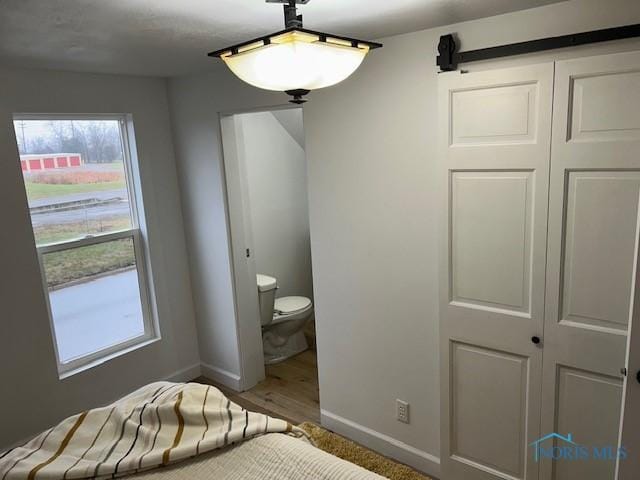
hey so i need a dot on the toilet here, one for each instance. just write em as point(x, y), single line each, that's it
point(282, 320)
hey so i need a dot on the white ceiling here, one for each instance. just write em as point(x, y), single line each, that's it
point(172, 37)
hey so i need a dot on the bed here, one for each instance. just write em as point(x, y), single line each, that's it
point(174, 431)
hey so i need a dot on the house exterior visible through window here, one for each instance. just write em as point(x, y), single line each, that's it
point(85, 214)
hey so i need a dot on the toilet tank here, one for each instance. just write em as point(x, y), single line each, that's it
point(267, 287)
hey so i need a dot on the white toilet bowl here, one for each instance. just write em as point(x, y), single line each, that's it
point(283, 320)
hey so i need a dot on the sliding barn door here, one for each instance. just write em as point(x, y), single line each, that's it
point(495, 143)
point(593, 229)
point(629, 467)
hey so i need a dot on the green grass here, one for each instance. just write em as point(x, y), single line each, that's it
point(70, 231)
point(84, 262)
point(37, 191)
point(67, 266)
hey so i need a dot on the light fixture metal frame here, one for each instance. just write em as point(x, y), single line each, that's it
point(266, 40)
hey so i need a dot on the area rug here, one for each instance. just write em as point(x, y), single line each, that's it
point(346, 449)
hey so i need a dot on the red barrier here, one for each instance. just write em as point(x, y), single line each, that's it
point(30, 163)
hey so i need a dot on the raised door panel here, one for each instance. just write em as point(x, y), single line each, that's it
point(601, 109)
point(489, 400)
point(600, 237)
point(588, 407)
point(494, 115)
point(490, 239)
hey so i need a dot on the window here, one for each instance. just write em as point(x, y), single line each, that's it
point(78, 177)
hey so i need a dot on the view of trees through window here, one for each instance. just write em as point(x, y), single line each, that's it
point(98, 141)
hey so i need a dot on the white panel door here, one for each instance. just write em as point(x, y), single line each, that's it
point(593, 229)
point(628, 468)
point(495, 143)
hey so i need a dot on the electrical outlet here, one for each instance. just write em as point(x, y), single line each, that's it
point(402, 411)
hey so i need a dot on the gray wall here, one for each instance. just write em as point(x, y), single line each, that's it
point(33, 397)
point(196, 102)
point(371, 153)
point(276, 170)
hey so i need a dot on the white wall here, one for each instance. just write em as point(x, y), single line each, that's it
point(33, 397)
point(374, 214)
point(195, 103)
point(371, 152)
point(276, 170)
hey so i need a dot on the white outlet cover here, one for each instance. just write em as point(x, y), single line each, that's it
point(402, 411)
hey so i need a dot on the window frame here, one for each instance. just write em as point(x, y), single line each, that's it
point(135, 233)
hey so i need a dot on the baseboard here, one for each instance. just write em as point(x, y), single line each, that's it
point(381, 443)
point(220, 375)
point(185, 374)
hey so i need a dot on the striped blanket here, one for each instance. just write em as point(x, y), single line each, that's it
point(154, 426)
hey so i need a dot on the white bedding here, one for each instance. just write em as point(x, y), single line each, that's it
point(154, 426)
point(268, 457)
point(176, 431)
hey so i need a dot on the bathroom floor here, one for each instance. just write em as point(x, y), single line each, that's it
point(289, 391)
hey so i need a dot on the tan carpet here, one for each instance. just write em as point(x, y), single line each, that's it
point(354, 453)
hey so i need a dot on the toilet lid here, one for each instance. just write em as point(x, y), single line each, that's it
point(289, 305)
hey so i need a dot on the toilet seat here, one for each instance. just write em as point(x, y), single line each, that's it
point(285, 307)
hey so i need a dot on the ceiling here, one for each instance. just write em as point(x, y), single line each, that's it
point(172, 37)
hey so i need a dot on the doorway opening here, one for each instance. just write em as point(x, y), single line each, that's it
point(266, 178)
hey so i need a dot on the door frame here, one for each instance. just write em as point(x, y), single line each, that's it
point(238, 209)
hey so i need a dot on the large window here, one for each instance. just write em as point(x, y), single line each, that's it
point(82, 199)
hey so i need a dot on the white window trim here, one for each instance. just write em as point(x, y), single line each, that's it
point(140, 247)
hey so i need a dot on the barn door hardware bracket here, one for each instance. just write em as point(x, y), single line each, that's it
point(448, 58)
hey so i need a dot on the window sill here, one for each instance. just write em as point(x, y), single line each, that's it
point(108, 357)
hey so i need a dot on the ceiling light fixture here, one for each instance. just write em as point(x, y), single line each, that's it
point(295, 60)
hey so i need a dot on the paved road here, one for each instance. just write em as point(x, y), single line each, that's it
point(96, 314)
point(104, 195)
point(111, 209)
